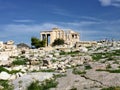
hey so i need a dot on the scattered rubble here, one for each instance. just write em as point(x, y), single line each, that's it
point(100, 64)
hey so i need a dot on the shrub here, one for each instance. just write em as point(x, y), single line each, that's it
point(36, 43)
point(58, 41)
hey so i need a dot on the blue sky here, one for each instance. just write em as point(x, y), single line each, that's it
point(93, 19)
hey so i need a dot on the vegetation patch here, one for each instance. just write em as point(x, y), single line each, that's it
point(45, 85)
point(59, 75)
point(108, 66)
point(78, 72)
point(109, 55)
point(44, 70)
point(69, 53)
point(3, 69)
point(54, 60)
point(87, 67)
point(58, 41)
point(111, 71)
point(97, 56)
point(36, 43)
point(48, 70)
point(5, 84)
point(19, 61)
point(111, 88)
point(10, 72)
point(114, 71)
point(73, 88)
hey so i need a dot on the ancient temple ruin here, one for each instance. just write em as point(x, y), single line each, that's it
point(70, 37)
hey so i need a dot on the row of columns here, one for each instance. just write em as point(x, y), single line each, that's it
point(44, 36)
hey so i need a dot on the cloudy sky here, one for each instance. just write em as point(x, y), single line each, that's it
point(93, 19)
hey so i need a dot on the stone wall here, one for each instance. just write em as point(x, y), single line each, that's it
point(86, 43)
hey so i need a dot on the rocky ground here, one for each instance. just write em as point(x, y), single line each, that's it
point(92, 68)
point(92, 80)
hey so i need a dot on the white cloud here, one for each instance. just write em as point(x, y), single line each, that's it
point(105, 2)
point(88, 30)
point(115, 3)
point(23, 32)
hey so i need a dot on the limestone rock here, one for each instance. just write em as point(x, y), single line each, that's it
point(4, 76)
point(18, 67)
point(83, 49)
point(1, 87)
point(56, 54)
point(13, 77)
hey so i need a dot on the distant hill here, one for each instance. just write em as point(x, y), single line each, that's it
point(23, 45)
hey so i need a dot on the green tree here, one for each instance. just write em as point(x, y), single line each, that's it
point(58, 41)
point(36, 43)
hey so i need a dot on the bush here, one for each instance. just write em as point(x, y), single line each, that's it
point(36, 43)
point(58, 42)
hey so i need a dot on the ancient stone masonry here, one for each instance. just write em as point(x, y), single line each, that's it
point(86, 44)
point(70, 37)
